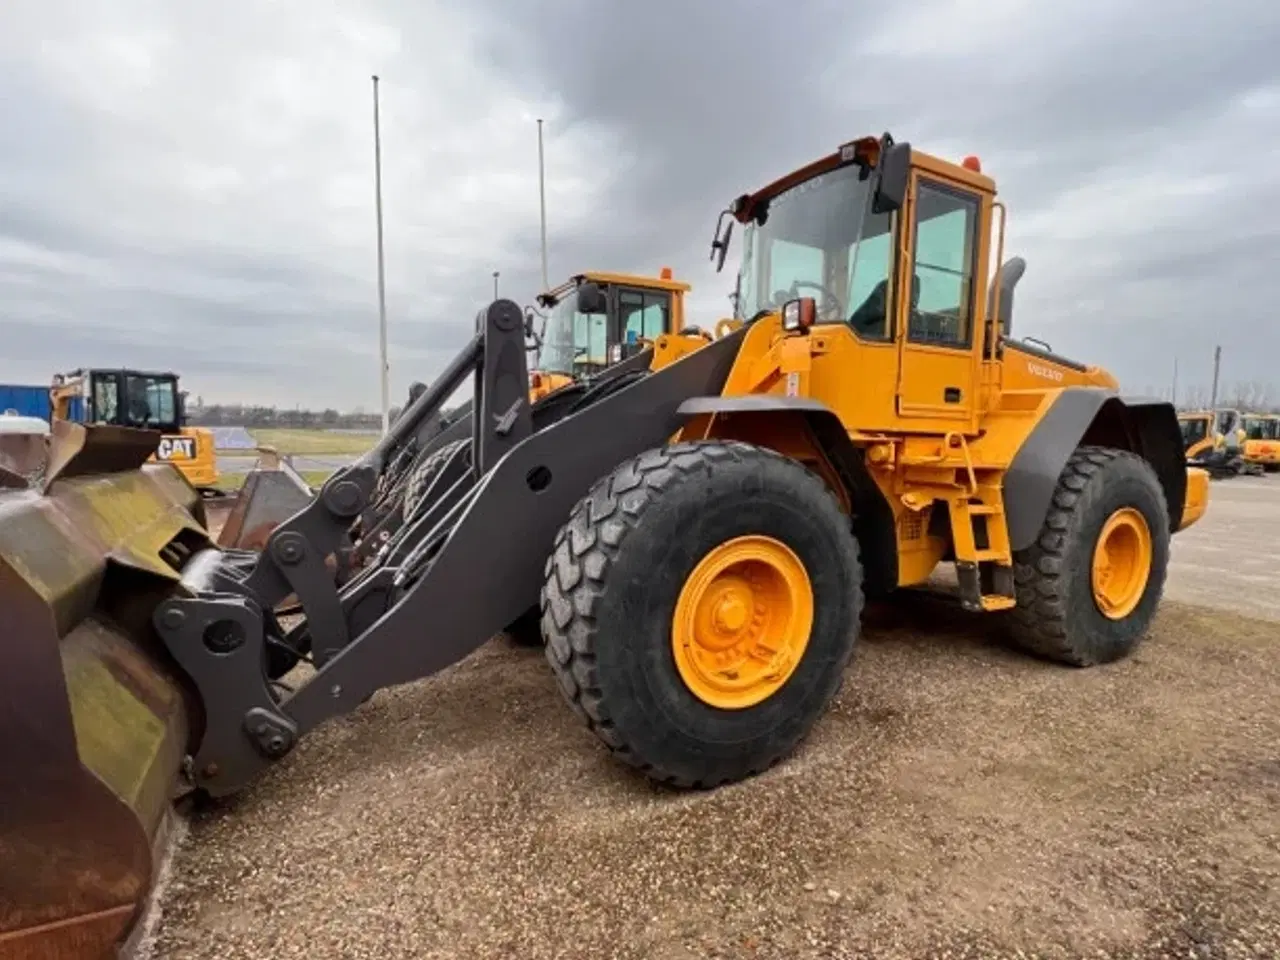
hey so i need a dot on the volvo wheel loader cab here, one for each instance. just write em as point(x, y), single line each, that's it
point(146, 400)
point(593, 321)
point(697, 531)
point(597, 319)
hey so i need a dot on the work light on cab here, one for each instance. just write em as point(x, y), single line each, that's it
point(798, 314)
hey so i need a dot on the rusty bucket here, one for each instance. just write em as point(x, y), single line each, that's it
point(94, 720)
point(24, 445)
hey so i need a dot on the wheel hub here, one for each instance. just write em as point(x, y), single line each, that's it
point(1121, 563)
point(742, 622)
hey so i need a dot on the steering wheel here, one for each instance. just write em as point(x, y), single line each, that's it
point(828, 308)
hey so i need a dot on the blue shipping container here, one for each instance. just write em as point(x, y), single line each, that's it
point(33, 401)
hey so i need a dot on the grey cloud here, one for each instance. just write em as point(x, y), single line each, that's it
point(736, 95)
point(706, 100)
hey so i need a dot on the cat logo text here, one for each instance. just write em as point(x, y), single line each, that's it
point(176, 448)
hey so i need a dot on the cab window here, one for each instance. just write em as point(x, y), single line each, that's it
point(590, 341)
point(870, 269)
point(945, 255)
point(1194, 431)
point(106, 399)
point(643, 313)
point(150, 402)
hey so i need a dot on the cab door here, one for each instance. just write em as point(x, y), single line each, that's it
point(937, 360)
point(639, 314)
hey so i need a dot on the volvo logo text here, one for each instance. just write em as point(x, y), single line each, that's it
point(1040, 370)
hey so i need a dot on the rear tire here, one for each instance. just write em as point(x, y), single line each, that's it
point(610, 602)
point(424, 472)
point(1059, 613)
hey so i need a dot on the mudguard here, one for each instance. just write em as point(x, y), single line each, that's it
point(873, 522)
point(1090, 415)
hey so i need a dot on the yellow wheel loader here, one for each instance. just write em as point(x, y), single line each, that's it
point(697, 531)
point(137, 398)
point(597, 319)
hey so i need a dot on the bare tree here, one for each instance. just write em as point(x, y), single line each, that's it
point(1193, 397)
point(1251, 395)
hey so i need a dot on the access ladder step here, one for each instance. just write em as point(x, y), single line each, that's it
point(985, 587)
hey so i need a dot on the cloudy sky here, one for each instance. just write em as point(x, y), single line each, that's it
point(189, 185)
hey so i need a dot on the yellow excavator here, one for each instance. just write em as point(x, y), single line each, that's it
point(145, 400)
point(1216, 440)
point(1261, 440)
point(696, 530)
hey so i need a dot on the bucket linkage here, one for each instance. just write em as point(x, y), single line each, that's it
point(436, 588)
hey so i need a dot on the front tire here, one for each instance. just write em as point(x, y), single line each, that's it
point(700, 607)
point(1088, 588)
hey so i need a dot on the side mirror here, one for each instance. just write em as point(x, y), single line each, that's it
point(894, 171)
point(591, 299)
point(720, 242)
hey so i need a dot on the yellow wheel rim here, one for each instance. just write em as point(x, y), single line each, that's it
point(742, 622)
point(1121, 563)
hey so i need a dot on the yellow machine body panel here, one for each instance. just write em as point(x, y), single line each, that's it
point(1025, 370)
point(192, 451)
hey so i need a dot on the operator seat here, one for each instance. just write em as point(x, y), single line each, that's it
point(868, 319)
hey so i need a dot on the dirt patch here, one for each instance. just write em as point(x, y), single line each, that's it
point(959, 800)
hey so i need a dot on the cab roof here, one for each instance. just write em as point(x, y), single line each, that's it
point(864, 149)
point(643, 281)
point(127, 371)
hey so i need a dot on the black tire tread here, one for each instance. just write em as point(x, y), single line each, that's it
point(1040, 617)
point(578, 567)
point(423, 472)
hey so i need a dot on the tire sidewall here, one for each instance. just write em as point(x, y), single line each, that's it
point(637, 666)
point(1125, 482)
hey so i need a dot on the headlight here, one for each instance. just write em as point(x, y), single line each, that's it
point(799, 314)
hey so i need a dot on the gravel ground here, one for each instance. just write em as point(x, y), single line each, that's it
point(959, 800)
